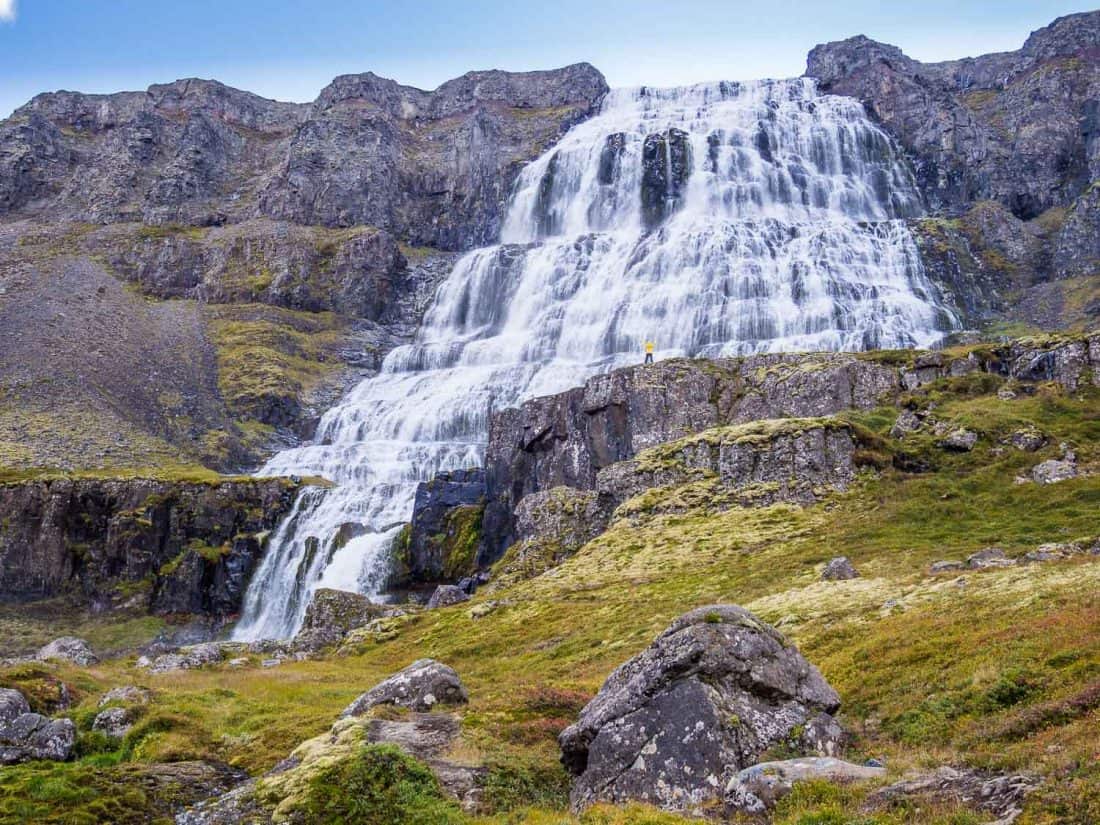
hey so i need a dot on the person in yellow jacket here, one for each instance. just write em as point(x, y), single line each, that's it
point(649, 352)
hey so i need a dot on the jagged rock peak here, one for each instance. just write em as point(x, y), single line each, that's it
point(578, 84)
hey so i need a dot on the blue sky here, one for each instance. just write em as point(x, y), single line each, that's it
point(289, 50)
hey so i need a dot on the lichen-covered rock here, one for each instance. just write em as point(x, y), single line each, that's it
point(421, 686)
point(446, 595)
point(187, 658)
point(960, 440)
point(1029, 439)
point(1053, 471)
point(1002, 795)
point(757, 788)
point(710, 696)
point(68, 649)
point(839, 569)
point(332, 614)
point(126, 695)
point(989, 557)
point(25, 735)
point(13, 704)
point(113, 722)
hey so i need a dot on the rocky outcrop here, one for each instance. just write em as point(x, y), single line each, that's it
point(757, 788)
point(68, 649)
point(420, 687)
point(666, 166)
point(1002, 795)
point(440, 542)
point(763, 462)
point(1005, 148)
point(433, 168)
point(172, 547)
point(574, 438)
point(332, 615)
point(674, 725)
point(566, 439)
point(25, 735)
point(551, 525)
point(1012, 127)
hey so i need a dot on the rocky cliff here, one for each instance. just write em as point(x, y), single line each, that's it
point(342, 215)
point(583, 438)
point(433, 168)
point(1006, 148)
point(167, 546)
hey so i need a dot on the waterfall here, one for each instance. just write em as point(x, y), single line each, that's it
point(717, 219)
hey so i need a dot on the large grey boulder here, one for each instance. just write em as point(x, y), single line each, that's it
point(446, 595)
point(13, 704)
point(68, 649)
point(25, 735)
point(675, 724)
point(420, 687)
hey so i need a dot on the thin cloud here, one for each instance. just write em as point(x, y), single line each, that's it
point(7, 10)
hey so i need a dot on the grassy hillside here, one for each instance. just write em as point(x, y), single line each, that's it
point(997, 668)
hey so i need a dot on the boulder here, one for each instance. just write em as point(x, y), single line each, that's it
point(989, 557)
point(1028, 439)
point(127, 695)
point(1053, 471)
point(446, 595)
point(839, 569)
point(13, 704)
point(68, 649)
point(187, 658)
point(907, 422)
point(25, 735)
point(672, 726)
point(331, 615)
point(114, 722)
point(420, 687)
point(960, 440)
point(757, 788)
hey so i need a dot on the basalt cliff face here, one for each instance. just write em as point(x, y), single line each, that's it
point(1006, 150)
point(166, 546)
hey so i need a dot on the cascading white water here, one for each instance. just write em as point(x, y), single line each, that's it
point(718, 219)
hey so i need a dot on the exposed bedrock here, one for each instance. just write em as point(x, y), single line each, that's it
point(567, 440)
point(434, 168)
point(171, 547)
